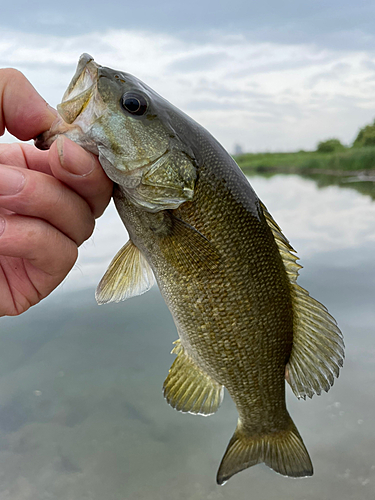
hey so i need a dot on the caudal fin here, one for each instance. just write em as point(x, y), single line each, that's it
point(282, 451)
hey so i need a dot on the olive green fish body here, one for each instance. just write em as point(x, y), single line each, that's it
point(224, 268)
point(244, 301)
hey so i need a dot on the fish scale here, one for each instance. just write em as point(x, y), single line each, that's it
point(246, 301)
point(223, 266)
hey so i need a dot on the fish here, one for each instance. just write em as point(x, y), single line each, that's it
point(223, 266)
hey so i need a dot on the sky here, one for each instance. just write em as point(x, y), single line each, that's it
point(280, 75)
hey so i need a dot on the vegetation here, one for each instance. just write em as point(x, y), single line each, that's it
point(330, 156)
point(350, 159)
point(330, 146)
point(365, 137)
point(331, 164)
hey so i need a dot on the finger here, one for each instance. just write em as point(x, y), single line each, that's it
point(14, 300)
point(25, 156)
point(81, 171)
point(35, 194)
point(51, 254)
point(24, 112)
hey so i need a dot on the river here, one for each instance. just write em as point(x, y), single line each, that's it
point(82, 416)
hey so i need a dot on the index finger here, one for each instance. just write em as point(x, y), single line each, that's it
point(22, 110)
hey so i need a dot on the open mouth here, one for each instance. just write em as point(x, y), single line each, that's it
point(76, 99)
point(80, 89)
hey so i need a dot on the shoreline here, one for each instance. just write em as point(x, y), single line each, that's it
point(351, 162)
point(365, 175)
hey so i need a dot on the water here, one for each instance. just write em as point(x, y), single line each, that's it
point(82, 416)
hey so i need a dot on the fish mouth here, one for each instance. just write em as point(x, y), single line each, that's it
point(80, 89)
point(75, 100)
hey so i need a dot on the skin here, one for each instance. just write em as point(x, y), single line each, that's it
point(49, 200)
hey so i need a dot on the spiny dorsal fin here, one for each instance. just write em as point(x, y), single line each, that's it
point(318, 345)
point(128, 275)
point(190, 389)
point(285, 248)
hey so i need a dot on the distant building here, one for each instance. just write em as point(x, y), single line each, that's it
point(238, 149)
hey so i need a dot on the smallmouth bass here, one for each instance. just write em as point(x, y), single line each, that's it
point(223, 266)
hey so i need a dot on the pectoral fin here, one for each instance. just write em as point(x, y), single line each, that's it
point(187, 249)
point(128, 275)
point(190, 389)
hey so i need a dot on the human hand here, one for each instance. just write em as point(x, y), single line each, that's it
point(48, 199)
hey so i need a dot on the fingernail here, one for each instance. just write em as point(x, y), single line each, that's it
point(2, 225)
point(11, 181)
point(73, 158)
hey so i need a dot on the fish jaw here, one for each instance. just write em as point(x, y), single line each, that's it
point(80, 107)
point(90, 114)
point(84, 78)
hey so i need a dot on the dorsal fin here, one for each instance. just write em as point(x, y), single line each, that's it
point(318, 345)
point(285, 248)
point(128, 275)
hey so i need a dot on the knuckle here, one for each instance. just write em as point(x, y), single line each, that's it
point(63, 251)
point(15, 155)
point(88, 228)
point(12, 75)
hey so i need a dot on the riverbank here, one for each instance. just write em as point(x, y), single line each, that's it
point(352, 161)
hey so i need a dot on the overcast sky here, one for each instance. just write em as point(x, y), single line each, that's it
point(277, 76)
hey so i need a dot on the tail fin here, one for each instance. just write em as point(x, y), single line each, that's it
point(282, 451)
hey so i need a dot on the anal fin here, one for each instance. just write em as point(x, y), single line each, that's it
point(190, 389)
point(128, 275)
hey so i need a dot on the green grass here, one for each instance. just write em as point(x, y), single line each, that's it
point(307, 161)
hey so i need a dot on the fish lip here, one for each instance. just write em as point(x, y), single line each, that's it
point(79, 91)
point(85, 77)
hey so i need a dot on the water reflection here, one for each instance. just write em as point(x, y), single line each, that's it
point(361, 181)
point(82, 414)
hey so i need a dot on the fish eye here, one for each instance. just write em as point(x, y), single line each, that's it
point(135, 104)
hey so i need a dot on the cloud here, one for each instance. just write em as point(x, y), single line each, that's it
point(198, 62)
point(265, 96)
point(338, 24)
point(336, 72)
